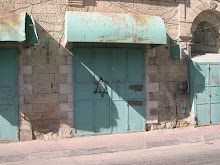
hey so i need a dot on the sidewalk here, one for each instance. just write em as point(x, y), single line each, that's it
point(16, 151)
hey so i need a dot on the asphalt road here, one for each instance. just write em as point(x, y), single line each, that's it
point(195, 153)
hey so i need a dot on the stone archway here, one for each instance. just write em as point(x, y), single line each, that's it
point(190, 23)
point(205, 32)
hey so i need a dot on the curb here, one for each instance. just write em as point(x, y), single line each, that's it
point(69, 153)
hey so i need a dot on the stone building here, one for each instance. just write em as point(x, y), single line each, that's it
point(85, 75)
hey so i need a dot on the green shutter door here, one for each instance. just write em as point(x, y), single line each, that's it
point(109, 94)
point(206, 92)
point(8, 95)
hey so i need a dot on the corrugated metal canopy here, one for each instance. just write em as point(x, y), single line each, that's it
point(114, 28)
point(18, 27)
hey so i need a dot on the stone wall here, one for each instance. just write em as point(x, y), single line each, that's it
point(45, 77)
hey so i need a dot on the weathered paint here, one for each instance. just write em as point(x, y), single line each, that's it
point(31, 33)
point(18, 27)
point(205, 89)
point(8, 94)
point(117, 102)
point(12, 26)
point(114, 28)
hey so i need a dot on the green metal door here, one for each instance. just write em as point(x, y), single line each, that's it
point(8, 95)
point(109, 93)
point(205, 92)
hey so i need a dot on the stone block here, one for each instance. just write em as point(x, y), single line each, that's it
point(54, 68)
point(175, 68)
point(163, 103)
point(156, 96)
point(151, 61)
point(70, 116)
point(45, 98)
point(70, 98)
point(157, 61)
point(39, 107)
point(69, 78)
point(152, 78)
point(20, 79)
point(154, 112)
point(152, 119)
point(164, 69)
point(63, 115)
point(39, 78)
point(39, 69)
point(65, 132)
point(151, 104)
point(24, 124)
point(25, 135)
point(25, 69)
point(64, 52)
point(164, 86)
point(25, 89)
point(70, 60)
point(41, 89)
point(62, 98)
point(65, 69)
point(173, 77)
point(182, 77)
point(50, 115)
point(66, 88)
point(66, 123)
point(152, 69)
point(152, 87)
point(66, 107)
point(147, 78)
point(153, 52)
point(61, 60)
point(25, 108)
point(61, 78)
point(163, 118)
point(20, 100)
point(175, 86)
point(55, 88)
point(169, 95)
point(33, 116)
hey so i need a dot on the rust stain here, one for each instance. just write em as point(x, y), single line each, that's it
point(214, 79)
point(9, 20)
point(140, 19)
point(135, 102)
point(136, 87)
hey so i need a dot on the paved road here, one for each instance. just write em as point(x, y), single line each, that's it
point(196, 153)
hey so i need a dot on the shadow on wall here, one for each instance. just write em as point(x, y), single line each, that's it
point(49, 115)
point(48, 112)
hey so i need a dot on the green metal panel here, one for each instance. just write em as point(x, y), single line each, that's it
point(8, 95)
point(175, 52)
point(31, 33)
point(205, 86)
point(114, 28)
point(136, 90)
point(18, 27)
point(104, 106)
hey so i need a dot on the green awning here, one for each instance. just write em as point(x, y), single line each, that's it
point(114, 28)
point(18, 27)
